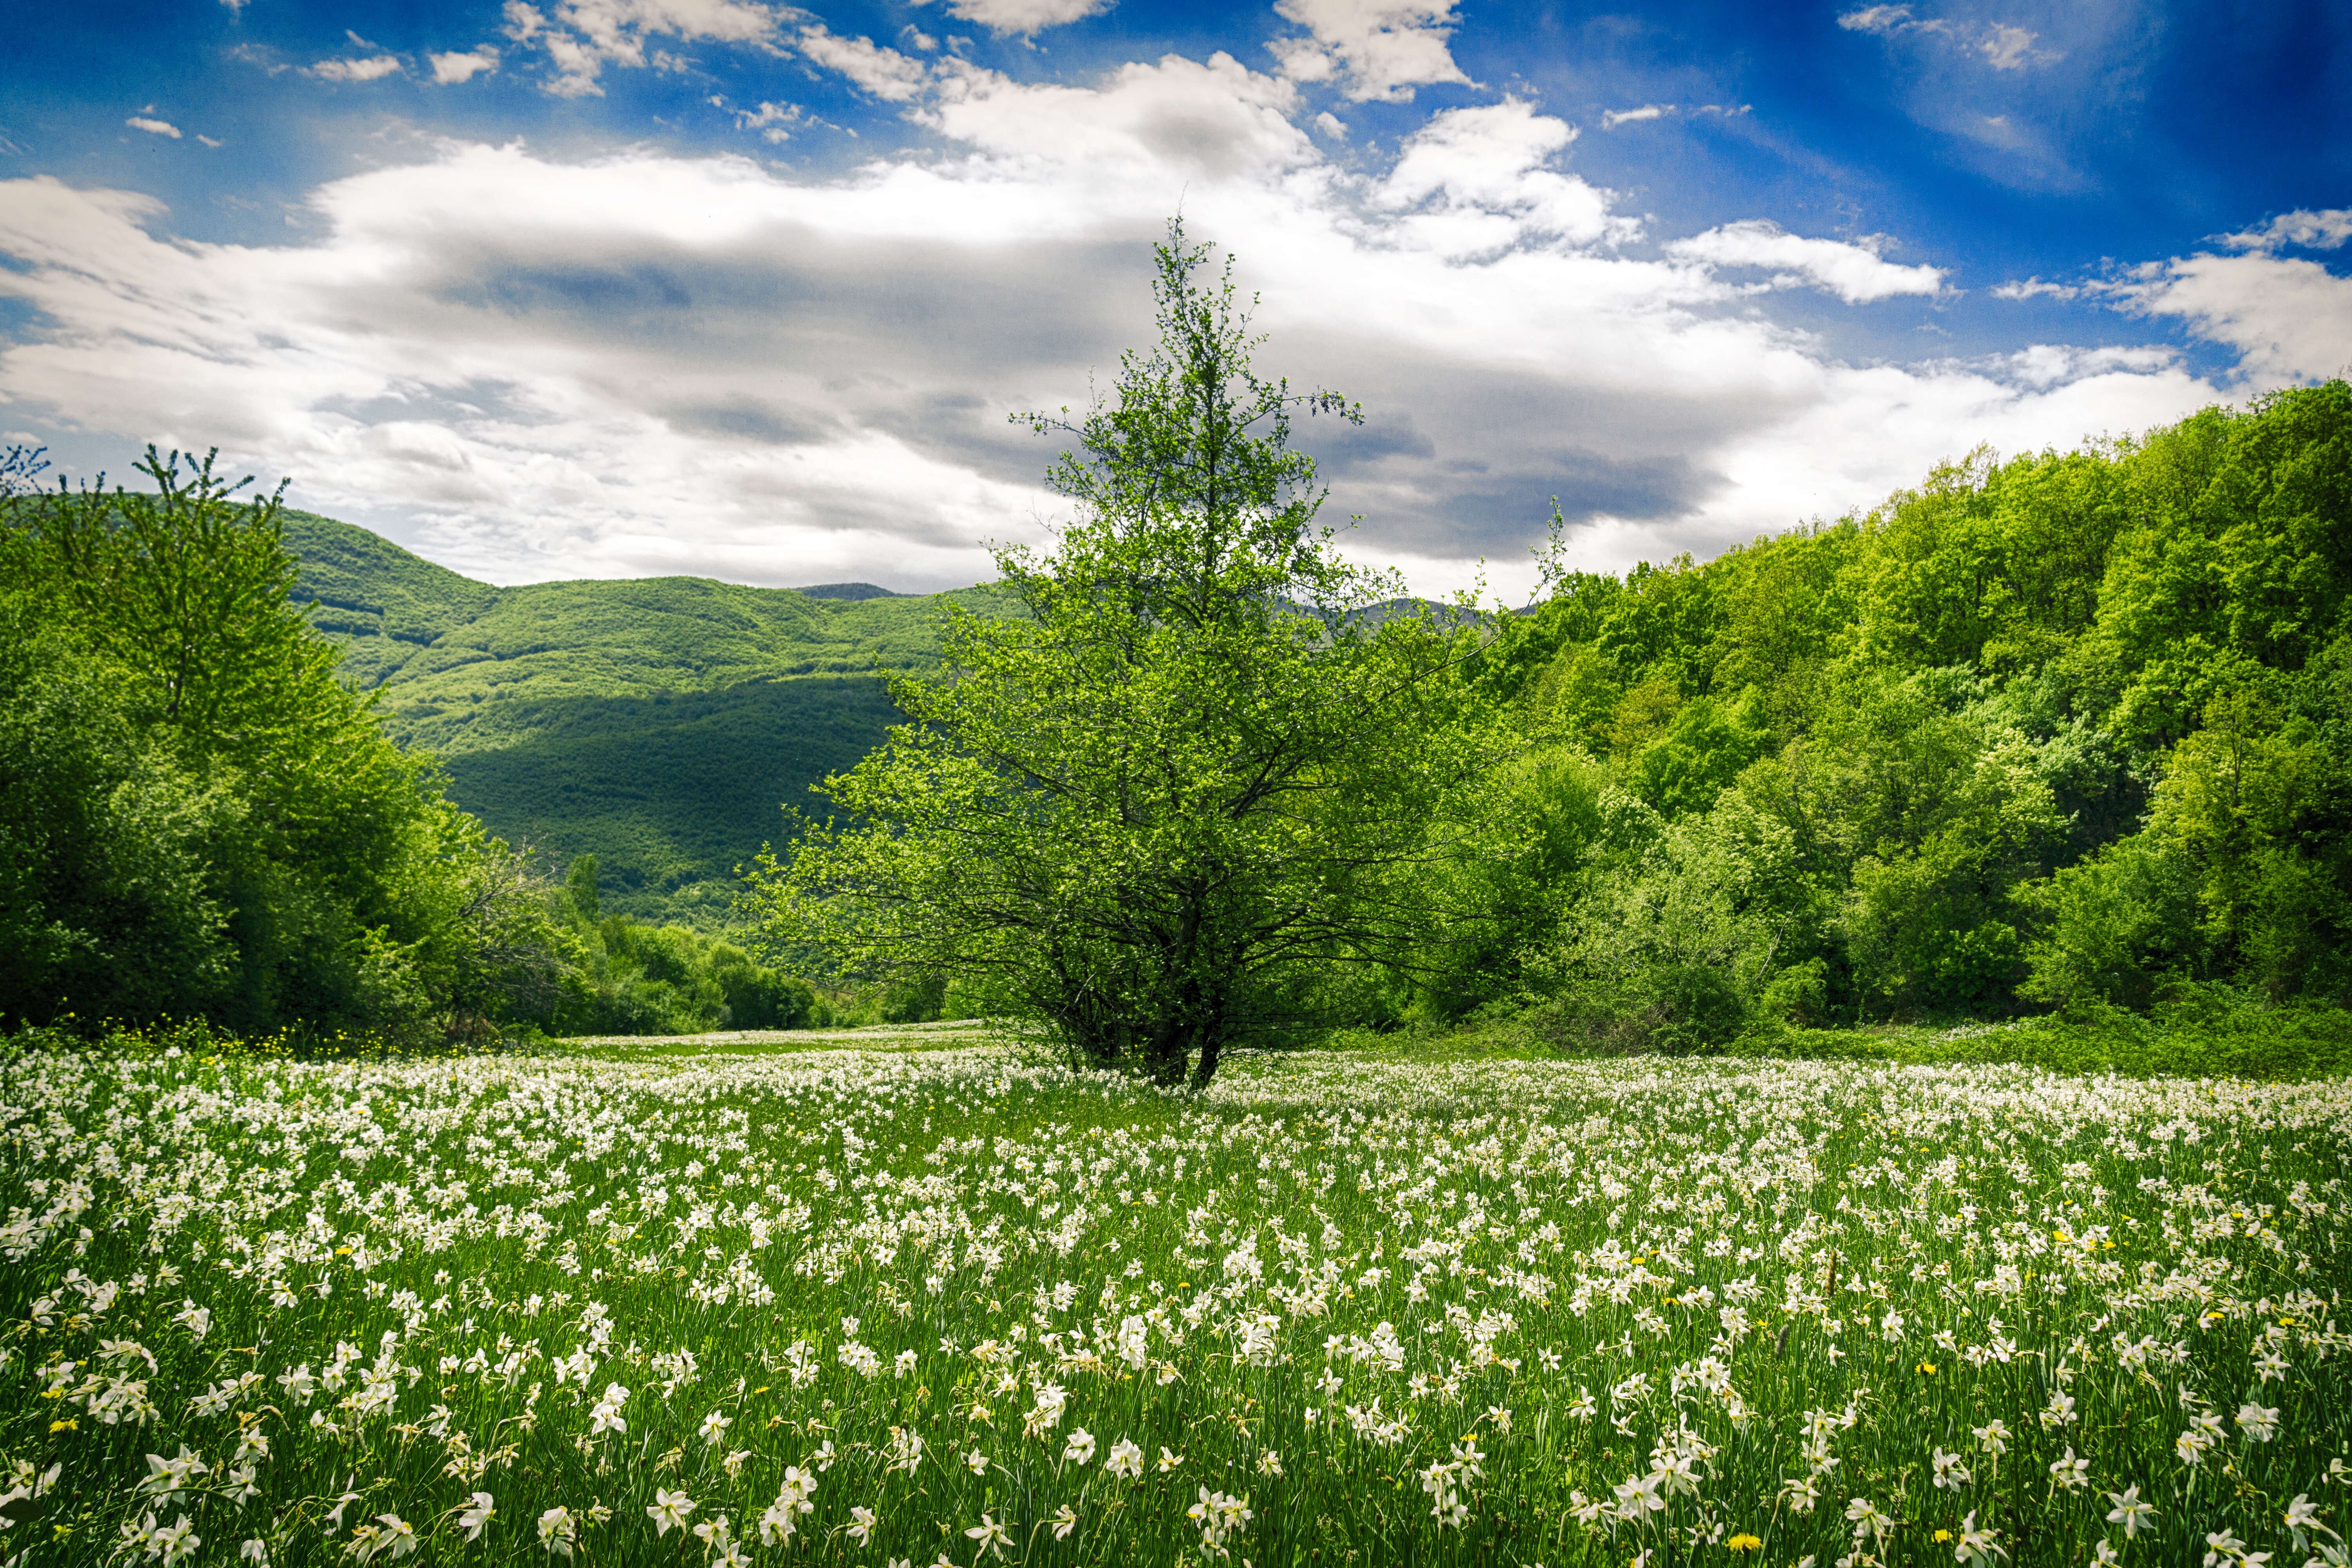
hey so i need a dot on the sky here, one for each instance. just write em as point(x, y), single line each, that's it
point(554, 289)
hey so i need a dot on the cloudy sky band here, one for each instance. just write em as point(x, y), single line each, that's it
point(621, 286)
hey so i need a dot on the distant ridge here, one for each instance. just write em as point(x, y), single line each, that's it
point(659, 722)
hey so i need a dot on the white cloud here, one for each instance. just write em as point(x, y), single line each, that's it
point(2289, 319)
point(2005, 48)
point(773, 121)
point(1476, 181)
point(2031, 286)
point(1887, 21)
point(1332, 125)
point(2051, 365)
point(1612, 118)
point(582, 37)
point(884, 73)
point(1161, 124)
point(464, 67)
point(2313, 230)
point(1854, 272)
point(153, 127)
point(2003, 44)
point(1377, 50)
point(533, 368)
point(1023, 17)
point(208, 141)
point(372, 69)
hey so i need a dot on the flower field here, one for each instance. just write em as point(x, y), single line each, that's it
point(952, 1305)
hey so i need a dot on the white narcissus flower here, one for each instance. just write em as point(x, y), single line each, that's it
point(2130, 1513)
point(668, 1509)
point(1976, 1547)
point(477, 1519)
point(1064, 1522)
point(2069, 1473)
point(399, 1538)
point(175, 1543)
point(1126, 1460)
point(559, 1530)
point(990, 1534)
point(605, 1414)
point(1080, 1449)
point(861, 1524)
point(2257, 1423)
point(2303, 1519)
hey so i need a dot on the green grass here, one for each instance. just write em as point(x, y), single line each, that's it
point(1475, 1311)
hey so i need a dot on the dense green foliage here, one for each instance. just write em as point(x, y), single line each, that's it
point(201, 820)
point(619, 977)
point(1190, 786)
point(656, 723)
point(2067, 729)
point(2065, 738)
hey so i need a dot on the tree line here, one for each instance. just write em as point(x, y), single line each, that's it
point(2065, 730)
point(2061, 732)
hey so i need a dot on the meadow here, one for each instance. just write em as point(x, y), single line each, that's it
point(926, 1297)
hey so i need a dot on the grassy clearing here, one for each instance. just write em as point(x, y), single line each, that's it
point(913, 1296)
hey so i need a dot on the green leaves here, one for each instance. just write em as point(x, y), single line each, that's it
point(1196, 777)
point(213, 823)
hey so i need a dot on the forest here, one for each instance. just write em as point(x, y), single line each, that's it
point(2064, 728)
point(2041, 736)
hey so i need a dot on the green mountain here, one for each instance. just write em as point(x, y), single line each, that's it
point(660, 723)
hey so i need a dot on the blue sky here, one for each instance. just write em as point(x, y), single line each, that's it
point(626, 286)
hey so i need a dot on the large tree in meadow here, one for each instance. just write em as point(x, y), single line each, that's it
point(1197, 780)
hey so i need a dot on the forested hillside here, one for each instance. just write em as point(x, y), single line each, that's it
point(659, 723)
point(2043, 731)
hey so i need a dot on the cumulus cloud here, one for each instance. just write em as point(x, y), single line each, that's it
point(1174, 120)
point(1613, 118)
point(153, 127)
point(580, 37)
point(463, 67)
point(1023, 17)
point(1854, 272)
point(773, 121)
point(533, 368)
point(2313, 230)
point(2288, 318)
point(2051, 365)
point(374, 68)
point(1475, 182)
point(1374, 49)
point(882, 72)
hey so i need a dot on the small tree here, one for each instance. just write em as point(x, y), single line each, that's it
point(1158, 812)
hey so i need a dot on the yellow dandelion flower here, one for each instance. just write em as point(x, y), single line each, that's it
point(1744, 1543)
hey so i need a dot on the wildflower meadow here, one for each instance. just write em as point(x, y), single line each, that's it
point(909, 1307)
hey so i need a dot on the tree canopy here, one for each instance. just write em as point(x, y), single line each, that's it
point(1162, 811)
point(204, 822)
